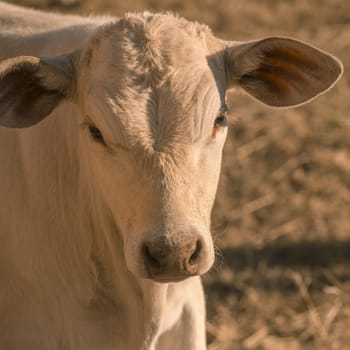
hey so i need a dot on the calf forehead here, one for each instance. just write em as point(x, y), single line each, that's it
point(150, 41)
point(154, 70)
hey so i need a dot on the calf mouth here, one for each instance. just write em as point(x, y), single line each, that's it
point(170, 278)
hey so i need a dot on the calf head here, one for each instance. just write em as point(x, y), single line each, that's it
point(150, 90)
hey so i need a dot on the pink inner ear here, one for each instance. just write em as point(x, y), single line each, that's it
point(292, 56)
point(283, 72)
point(279, 68)
point(270, 79)
point(287, 68)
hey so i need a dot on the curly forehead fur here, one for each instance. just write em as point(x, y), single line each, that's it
point(152, 38)
point(156, 66)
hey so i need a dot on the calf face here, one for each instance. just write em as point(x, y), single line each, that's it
point(150, 90)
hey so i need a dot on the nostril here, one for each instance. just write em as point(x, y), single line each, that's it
point(151, 260)
point(167, 258)
point(195, 256)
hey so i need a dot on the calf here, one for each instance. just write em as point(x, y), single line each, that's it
point(105, 202)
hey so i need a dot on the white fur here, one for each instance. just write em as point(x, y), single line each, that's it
point(74, 213)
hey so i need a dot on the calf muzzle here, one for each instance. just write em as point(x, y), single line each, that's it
point(169, 261)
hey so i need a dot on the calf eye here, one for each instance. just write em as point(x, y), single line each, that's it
point(220, 121)
point(95, 133)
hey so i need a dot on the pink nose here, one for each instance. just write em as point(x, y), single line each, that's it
point(165, 260)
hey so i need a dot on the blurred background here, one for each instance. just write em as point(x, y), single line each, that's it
point(282, 216)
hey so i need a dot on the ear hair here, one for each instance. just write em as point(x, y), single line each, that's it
point(280, 72)
point(31, 87)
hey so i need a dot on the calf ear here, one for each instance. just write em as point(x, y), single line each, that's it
point(281, 72)
point(31, 87)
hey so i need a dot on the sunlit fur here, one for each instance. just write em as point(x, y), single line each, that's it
point(161, 126)
point(76, 212)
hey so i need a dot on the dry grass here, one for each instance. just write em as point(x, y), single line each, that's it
point(282, 218)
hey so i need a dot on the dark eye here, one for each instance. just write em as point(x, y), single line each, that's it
point(95, 133)
point(220, 120)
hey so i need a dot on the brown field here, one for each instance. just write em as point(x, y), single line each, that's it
point(282, 215)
